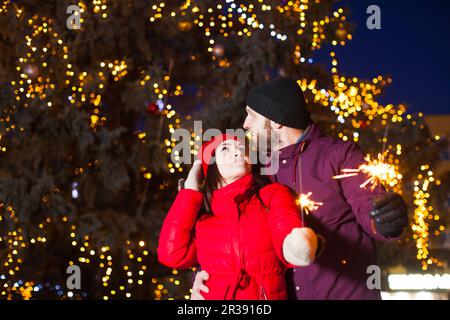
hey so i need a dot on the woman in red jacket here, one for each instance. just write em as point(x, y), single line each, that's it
point(244, 231)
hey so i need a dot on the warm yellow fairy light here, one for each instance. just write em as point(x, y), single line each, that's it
point(100, 7)
point(423, 216)
point(14, 243)
point(4, 6)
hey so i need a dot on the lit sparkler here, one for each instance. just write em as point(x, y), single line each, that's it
point(307, 204)
point(379, 172)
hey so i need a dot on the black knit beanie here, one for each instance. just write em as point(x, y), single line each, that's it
point(282, 101)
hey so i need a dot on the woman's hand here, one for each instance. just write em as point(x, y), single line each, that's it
point(195, 176)
point(300, 246)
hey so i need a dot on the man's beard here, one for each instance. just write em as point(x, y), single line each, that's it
point(264, 150)
point(267, 140)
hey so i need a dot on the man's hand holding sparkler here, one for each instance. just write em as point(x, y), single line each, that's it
point(390, 215)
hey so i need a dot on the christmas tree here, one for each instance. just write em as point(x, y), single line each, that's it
point(91, 93)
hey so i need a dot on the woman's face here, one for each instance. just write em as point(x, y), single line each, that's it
point(232, 160)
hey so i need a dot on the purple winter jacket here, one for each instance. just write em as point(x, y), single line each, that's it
point(340, 272)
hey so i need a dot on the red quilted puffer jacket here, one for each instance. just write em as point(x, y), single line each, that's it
point(242, 253)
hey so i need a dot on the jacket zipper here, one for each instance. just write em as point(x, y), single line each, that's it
point(262, 293)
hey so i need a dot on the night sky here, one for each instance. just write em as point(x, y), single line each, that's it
point(412, 46)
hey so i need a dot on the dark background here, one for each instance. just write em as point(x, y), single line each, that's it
point(412, 46)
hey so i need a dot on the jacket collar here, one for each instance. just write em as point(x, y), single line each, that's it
point(312, 133)
point(236, 187)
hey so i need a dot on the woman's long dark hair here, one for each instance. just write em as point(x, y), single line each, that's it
point(214, 180)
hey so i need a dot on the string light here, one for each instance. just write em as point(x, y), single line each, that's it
point(4, 6)
point(423, 217)
point(100, 7)
point(239, 19)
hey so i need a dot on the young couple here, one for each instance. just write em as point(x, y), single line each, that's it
point(244, 230)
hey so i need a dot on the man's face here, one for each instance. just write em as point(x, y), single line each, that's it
point(264, 139)
point(256, 124)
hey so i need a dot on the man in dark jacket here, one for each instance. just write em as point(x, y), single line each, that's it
point(350, 218)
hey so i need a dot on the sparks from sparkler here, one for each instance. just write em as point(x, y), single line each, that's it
point(379, 172)
point(307, 204)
